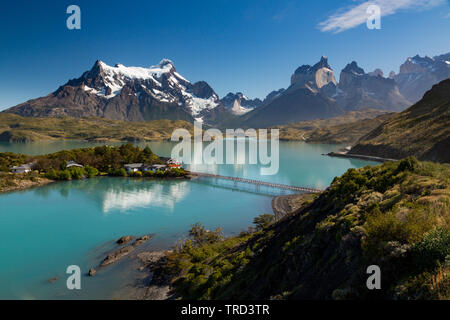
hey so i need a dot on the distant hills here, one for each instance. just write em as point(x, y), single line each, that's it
point(422, 130)
point(160, 92)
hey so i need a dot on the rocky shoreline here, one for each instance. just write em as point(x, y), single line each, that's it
point(10, 182)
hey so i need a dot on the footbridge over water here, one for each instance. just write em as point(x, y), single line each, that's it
point(257, 182)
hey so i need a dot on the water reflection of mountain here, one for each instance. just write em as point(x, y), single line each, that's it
point(123, 194)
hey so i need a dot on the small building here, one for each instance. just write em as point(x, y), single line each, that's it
point(24, 168)
point(73, 164)
point(133, 167)
point(154, 167)
point(160, 167)
point(173, 163)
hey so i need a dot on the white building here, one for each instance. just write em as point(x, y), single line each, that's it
point(24, 168)
point(73, 164)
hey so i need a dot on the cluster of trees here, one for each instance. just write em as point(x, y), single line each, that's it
point(173, 173)
point(9, 159)
point(108, 160)
point(72, 173)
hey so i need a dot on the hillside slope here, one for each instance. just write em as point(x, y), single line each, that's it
point(423, 130)
point(395, 215)
point(347, 128)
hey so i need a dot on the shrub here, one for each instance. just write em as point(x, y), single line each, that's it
point(149, 174)
point(76, 173)
point(117, 172)
point(433, 248)
point(264, 220)
point(136, 174)
point(90, 171)
point(200, 235)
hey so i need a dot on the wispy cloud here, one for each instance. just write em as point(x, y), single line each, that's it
point(350, 17)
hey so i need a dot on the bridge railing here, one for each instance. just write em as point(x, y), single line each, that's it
point(257, 182)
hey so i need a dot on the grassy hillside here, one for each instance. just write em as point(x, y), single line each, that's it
point(395, 215)
point(423, 130)
point(347, 128)
point(23, 129)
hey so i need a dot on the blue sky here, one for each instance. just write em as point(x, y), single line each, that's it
point(250, 46)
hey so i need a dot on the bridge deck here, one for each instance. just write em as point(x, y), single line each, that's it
point(257, 182)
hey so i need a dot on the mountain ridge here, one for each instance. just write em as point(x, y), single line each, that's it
point(421, 130)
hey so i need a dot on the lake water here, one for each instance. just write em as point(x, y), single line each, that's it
point(46, 229)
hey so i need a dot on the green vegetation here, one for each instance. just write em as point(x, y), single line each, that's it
point(345, 129)
point(395, 215)
point(422, 130)
point(102, 160)
point(15, 128)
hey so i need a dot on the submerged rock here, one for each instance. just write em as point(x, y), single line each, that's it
point(141, 240)
point(53, 280)
point(116, 255)
point(125, 239)
point(92, 272)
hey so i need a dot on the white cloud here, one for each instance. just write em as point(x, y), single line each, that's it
point(350, 17)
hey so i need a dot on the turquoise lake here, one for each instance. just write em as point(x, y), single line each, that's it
point(46, 229)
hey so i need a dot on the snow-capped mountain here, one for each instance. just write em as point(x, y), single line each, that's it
point(127, 93)
point(239, 104)
point(418, 74)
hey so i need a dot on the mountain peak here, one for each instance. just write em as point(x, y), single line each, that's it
point(323, 63)
point(353, 68)
point(166, 63)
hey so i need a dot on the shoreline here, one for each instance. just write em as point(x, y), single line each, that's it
point(358, 156)
point(25, 184)
point(29, 184)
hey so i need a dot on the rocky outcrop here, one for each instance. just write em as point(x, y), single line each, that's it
point(116, 256)
point(125, 239)
point(124, 251)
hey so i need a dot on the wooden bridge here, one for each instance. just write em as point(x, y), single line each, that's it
point(257, 182)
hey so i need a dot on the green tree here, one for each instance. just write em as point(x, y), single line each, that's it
point(264, 220)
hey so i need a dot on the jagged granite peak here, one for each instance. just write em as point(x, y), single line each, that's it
point(272, 95)
point(418, 74)
point(358, 90)
point(313, 77)
point(127, 93)
point(376, 73)
point(353, 68)
point(239, 104)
